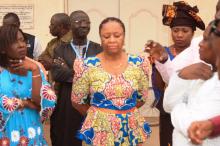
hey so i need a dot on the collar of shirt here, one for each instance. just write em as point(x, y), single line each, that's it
point(67, 37)
point(79, 49)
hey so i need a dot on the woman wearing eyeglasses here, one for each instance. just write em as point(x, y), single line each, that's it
point(200, 130)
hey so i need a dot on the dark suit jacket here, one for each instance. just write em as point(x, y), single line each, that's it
point(65, 51)
point(30, 44)
point(65, 120)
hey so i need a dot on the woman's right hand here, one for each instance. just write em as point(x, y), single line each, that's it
point(156, 51)
point(25, 63)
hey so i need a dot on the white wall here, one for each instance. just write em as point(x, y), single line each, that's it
point(207, 10)
point(44, 9)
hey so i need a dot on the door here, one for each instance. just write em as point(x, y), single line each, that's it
point(142, 18)
point(143, 21)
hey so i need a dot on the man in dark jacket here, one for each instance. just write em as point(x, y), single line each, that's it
point(67, 120)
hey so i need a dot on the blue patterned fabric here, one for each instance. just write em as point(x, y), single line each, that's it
point(22, 127)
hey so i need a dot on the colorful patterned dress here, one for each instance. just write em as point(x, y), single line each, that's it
point(112, 119)
point(22, 127)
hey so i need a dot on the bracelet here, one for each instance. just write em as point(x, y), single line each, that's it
point(35, 76)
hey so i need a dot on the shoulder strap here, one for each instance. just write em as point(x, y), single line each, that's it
point(169, 53)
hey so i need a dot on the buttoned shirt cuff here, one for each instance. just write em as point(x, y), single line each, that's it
point(216, 126)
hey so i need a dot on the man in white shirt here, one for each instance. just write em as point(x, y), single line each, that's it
point(183, 26)
point(200, 130)
point(191, 100)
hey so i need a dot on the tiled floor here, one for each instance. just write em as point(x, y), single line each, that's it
point(47, 132)
point(153, 140)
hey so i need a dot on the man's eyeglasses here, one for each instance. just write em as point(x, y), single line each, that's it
point(214, 28)
point(82, 22)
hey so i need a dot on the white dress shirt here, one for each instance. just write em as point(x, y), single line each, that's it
point(191, 100)
point(38, 50)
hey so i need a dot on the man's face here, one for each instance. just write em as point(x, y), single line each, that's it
point(217, 12)
point(80, 25)
point(215, 42)
point(215, 37)
point(205, 50)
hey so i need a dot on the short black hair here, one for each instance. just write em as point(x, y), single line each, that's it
point(64, 19)
point(8, 36)
point(15, 18)
point(110, 19)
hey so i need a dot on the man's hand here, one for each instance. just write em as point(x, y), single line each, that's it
point(196, 71)
point(200, 130)
point(47, 63)
point(60, 61)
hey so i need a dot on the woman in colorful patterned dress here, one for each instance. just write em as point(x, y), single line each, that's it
point(117, 84)
point(26, 99)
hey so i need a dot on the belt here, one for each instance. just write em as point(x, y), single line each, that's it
point(111, 111)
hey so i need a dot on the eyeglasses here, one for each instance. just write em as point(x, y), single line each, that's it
point(214, 28)
point(82, 22)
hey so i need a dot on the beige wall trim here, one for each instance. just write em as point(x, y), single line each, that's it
point(65, 7)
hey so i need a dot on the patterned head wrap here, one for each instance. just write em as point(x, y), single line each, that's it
point(182, 14)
